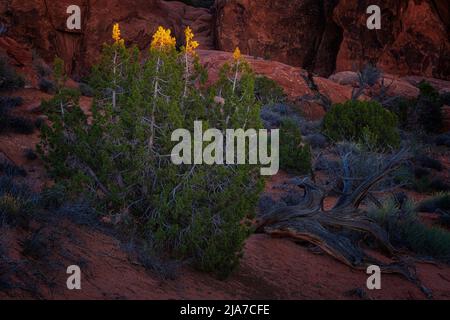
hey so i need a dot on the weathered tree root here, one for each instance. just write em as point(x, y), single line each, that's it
point(309, 221)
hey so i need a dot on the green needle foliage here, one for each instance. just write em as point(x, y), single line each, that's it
point(120, 157)
point(406, 230)
point(295, 155)
point(362, 121)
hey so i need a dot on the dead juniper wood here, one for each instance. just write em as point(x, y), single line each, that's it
point(309, 221)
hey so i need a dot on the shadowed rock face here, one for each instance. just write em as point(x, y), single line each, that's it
point(322, 36)
point(414, 38)
point(325, 35)
point(297, 32)
point(41, 24)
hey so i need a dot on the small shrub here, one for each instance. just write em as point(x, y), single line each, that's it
point(440, 201)
point(20, 125)
point(9, 79)
point(267, 91)
point(86, 90)
point(10, 102)
point(47, 86)
point(443, 139)
point(17, 190)
point(362, 121)
point(17, 202)
point(439, 184)
point(428, 108)
point(39, 122)
point(30, 154)
point(79, 211)
point(42, 69)
point(428, 162)
point(273, 115)
point(309, 127)
point(403, 107)
point(9, 205)
point(369, 75)
point(444, 219)
point(12, 123)
point(405, 230)
point(294, 154)
point(423, 114)
point(270, 119)
point(359, 162)
point(36, 245)
point(53, 197)
point(420, 172)
point(266, 204)
point(421, 185)
point(367, 78)
point(316, 140)
point(11, 170)
point(426, 184)
point(166, 269)
point(445, 98)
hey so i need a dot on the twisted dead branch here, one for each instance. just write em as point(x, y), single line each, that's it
point(309, 221)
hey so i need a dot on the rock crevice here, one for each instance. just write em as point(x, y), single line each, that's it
point(327, 36)
point(321, 36)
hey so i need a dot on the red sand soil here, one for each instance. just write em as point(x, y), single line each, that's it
point(14, 145)
point(270, 268)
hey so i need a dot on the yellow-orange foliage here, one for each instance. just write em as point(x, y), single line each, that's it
point(162, 39)
point(237, 54)
point(116, 34)
point(191, 45)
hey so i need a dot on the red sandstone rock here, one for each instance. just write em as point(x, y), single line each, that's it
point(288, 77)
point(41, 24)
point(414, 38)
point(335, 92)
point(322, 36)
point(317, 35)
point(400, 87)
point(440, 85)
point(396, 86)
point(346, 78)
point(297, 32)
point(19, 56)
point(291, 79)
